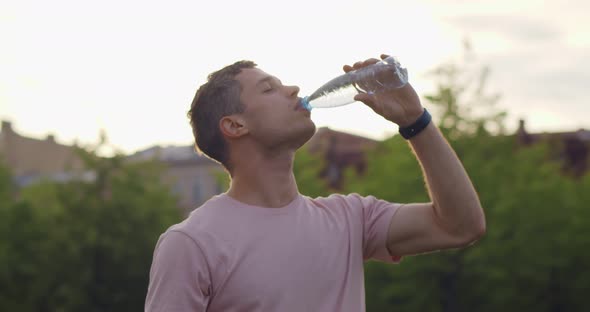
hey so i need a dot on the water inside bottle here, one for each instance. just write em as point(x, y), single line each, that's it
point(336, 96)
point(341, 90)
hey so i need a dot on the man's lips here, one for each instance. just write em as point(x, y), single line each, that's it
point(299, 105)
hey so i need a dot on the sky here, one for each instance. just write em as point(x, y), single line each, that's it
point(73, 67)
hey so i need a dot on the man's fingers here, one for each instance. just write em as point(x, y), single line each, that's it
point(366, 98)
point(365, 63)
point(359, 64)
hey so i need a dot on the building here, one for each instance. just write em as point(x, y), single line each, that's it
point(32, 159)
point(340, 150)
point(193, 178)
point(571, 149)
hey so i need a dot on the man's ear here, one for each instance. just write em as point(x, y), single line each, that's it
point(233, 126)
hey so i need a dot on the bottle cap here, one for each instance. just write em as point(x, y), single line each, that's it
point(305, 103)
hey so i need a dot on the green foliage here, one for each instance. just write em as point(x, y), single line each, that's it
point(84, 245)
point(391, 160)
point(307, 168)
point(6, 187)
point(534, 256)
point(222, 179)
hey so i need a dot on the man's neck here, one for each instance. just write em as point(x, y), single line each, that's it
point(264, 181)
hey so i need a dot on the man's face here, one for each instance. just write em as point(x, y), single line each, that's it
point(273, 114)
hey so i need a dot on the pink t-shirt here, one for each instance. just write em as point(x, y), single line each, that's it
point(306, 256)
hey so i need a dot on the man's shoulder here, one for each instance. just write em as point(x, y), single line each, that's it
point(204, 220)
point(345, 204)
point(338, 199)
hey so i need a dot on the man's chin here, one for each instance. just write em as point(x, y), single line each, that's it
point(306, 134)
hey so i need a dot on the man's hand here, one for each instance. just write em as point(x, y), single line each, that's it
point(401, 106)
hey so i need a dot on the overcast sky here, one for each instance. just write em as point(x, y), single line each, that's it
point(132, 67)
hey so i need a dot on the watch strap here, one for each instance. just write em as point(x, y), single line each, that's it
point(415, 128)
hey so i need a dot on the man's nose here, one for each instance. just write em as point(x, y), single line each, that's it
point(292, 91)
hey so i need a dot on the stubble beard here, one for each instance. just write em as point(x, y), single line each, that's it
point(303, 135)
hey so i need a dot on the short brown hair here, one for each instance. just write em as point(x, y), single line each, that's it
point(217, 98)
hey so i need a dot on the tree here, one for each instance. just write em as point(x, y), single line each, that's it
point(307, 168)
point(85, 245)
point(6, 185)
point(461, 100)
point(532, 257)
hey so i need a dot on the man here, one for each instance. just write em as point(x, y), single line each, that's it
point(262, 246)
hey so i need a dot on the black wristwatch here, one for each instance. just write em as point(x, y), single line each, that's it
point(415, 128)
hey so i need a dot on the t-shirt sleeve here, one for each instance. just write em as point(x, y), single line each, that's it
point(179, 276)
point(376, 217)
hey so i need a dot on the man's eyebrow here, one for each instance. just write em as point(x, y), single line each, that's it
point(268, 79)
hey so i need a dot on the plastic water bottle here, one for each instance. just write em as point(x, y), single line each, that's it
point(384, 75)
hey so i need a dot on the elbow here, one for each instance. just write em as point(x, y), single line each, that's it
point(470, 237)
point(472, 231)
point(469, 229)
point(478, 230)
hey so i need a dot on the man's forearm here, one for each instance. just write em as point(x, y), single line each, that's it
point(454, 198)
